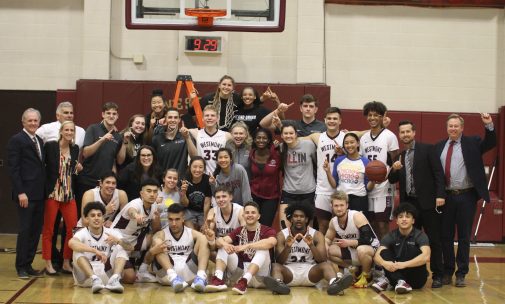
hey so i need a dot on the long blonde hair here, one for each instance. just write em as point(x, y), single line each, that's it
point(230, 105)
point(63, 124)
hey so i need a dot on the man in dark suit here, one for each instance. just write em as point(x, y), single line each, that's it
point(461, 158)
point(26, 167)
point(421, 178)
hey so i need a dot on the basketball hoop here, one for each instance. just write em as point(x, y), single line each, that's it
point(205, 15)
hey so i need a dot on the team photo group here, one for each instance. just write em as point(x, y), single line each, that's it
point(253, 199)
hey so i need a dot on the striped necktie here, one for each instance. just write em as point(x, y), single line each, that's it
point(409, 171)
point(34, 139)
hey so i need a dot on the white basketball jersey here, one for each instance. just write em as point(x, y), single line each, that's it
point(129, 228)
point(223, 227)
point(207, 146)
point(300, 251)
point(326, 151)
point(98, 198)
point(377, 149)
point(179, 249)
point(85, 237)
point(350, 231)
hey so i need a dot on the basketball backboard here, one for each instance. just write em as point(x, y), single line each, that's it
point(241, 15)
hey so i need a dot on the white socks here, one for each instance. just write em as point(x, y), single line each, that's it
point(171, 274)
point(219, 274)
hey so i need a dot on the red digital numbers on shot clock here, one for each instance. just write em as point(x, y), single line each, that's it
point(203, 44)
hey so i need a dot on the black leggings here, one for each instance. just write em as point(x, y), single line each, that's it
point(268, 209)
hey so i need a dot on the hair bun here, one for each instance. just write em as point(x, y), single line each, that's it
point(157, 92)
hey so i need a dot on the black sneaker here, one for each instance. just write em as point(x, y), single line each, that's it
point(338, 285)
point(460, 281)
point(447, 279)
point(23, 275)
point(35, 273)
point(276, 286)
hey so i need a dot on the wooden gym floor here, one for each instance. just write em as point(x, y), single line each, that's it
point(486, 284)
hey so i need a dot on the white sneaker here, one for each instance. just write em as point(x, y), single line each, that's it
point(164, 280)
point(199, 284)
point(145, 277)
point(96, 284)
point(382, 284)
point(114, 285)
point(178, 284)
point(402, 287)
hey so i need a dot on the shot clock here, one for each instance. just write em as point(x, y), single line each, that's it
point(203, 44)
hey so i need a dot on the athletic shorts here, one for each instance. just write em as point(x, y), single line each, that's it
point(305, 198)
point(102, 270)
point(380, 208)
point(351, 254)
point(185, 267)
point(300, 272)
point(323, 206)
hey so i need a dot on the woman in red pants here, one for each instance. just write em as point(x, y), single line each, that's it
point(61, 167)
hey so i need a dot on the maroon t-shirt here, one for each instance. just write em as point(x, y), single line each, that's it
point(265, 232)
point(265, 180)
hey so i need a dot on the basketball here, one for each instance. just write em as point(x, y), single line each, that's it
point(376, 171)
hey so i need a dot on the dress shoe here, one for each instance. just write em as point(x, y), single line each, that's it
point(35, 273)
point(47, 272)
point(437, 283)
point(460, 281)
point(447, 279)
point(22, 274)
point(64, 271)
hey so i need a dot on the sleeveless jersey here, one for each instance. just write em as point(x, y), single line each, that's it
point(377, 149)
point(207, 146)
point(326, 151)
point(181, 248)
point(224, 227)
point(85, 237)
point(300, 251)
point(129, 228)
point(98, 198)
point(350, 232)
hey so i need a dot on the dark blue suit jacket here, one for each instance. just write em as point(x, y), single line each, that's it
point(429, 179)
point(473, 147)
point(25, 167)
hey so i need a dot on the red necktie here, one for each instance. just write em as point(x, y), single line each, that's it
point(448, 158)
